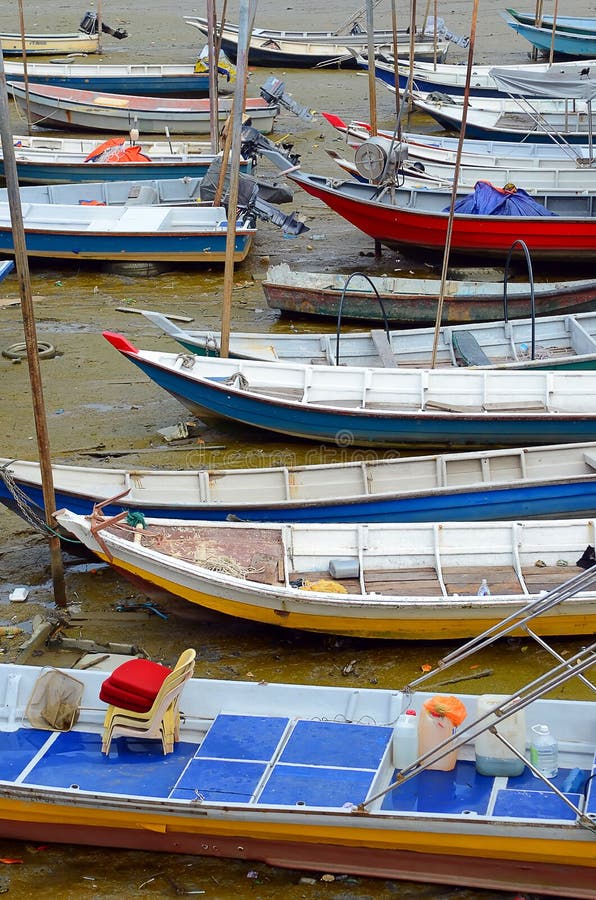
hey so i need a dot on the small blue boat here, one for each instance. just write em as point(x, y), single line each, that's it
point(564, 43)
point(526, 482)
point(349, 406)
point(139, 79)
point(577, 24)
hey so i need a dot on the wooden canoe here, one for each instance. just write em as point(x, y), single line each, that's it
point(400, 581)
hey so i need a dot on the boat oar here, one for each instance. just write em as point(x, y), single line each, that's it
point(167, 130)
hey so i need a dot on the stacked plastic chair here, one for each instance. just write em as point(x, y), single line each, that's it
point(143, 699)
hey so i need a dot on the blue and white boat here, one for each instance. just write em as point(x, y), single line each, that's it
point(564, 43)
point(311, 777)
point(345, 406)
point(6, 267)
point(451, 79)
point(578, 24)
point(556, 480)
point(140, 79)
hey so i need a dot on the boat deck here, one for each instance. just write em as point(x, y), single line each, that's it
point(279, 761)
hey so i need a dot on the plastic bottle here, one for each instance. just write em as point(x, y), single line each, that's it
point(492, 756)
point(405, 739)
point(435, 727)
point(544, 751)
point(484, 590)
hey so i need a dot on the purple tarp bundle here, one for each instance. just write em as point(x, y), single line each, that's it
point(488, 200)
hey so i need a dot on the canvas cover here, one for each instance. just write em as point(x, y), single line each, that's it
point(488, 200)
point(558, 82)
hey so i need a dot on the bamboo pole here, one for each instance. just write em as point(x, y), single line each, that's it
point(395, 65)
point(537, 23)
point(552, 37)
point(455, 182)
point(22, 267)
point(212, 60)
point(245, 22)
point(372, 85)
point(99, 32)
point(25, 70)
point(412, 45)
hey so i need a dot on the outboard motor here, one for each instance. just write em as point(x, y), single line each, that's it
point(250, 200)
point(254, 144)
point(89, 26)
point(273, 92)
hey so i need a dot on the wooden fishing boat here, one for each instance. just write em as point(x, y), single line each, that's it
point(486, 153)
point(556, 480)
point(451, 79)
point(417, 220)
point(49, 44)
point(58, 107)
point(577, 24)
point(560, 342)
point(54, 160)
point(401, 581)
point(126, 232)
point(303, 777)
point(350, 405)
point(139, 79)
point(413, 301)
point(308, 49)
point(564, 43)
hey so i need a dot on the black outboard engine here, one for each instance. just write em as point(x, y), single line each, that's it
point(254, 144)
point(250, 200)
point(89, 26)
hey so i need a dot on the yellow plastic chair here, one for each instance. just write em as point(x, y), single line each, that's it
point(162, 720)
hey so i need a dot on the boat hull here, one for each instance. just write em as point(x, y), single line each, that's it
point(196, 85)
point(152, 247)
point(564, 43)
point(550, 238)
point(49, 45)
point(31, 172)
point(414, 309)
point(515, 865)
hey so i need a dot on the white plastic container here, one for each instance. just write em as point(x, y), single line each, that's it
point(432, 731)
point(405, 739)
point(492, 756)
point(544, 751)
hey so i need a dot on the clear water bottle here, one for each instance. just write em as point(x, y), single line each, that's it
point(483, 590)
point(544, 751)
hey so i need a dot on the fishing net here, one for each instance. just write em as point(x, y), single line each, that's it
point(55, 701)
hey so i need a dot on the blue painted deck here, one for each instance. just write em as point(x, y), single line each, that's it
point(268, 760)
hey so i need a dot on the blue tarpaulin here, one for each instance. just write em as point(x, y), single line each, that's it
point(488, 200)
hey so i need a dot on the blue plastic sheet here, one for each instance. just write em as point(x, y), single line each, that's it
point(488, 200)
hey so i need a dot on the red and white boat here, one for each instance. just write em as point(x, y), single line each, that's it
point(417, 219)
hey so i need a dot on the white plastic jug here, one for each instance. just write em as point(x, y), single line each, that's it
point(405, 739)
point(433, 730)
point(492, 756)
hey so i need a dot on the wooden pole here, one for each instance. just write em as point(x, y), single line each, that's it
point(395, 65)
point(372, 85)
point(455, 182)
point(22, 266)
point(412, 44)
point(99, 42)
point(245, 20)
point(212, 58)
point(537, 23)
point(552, 38)
point(25, 70)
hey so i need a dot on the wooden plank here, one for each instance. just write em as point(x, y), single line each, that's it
point(383, 348)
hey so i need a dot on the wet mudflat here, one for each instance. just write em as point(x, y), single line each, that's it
point(102, 411)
